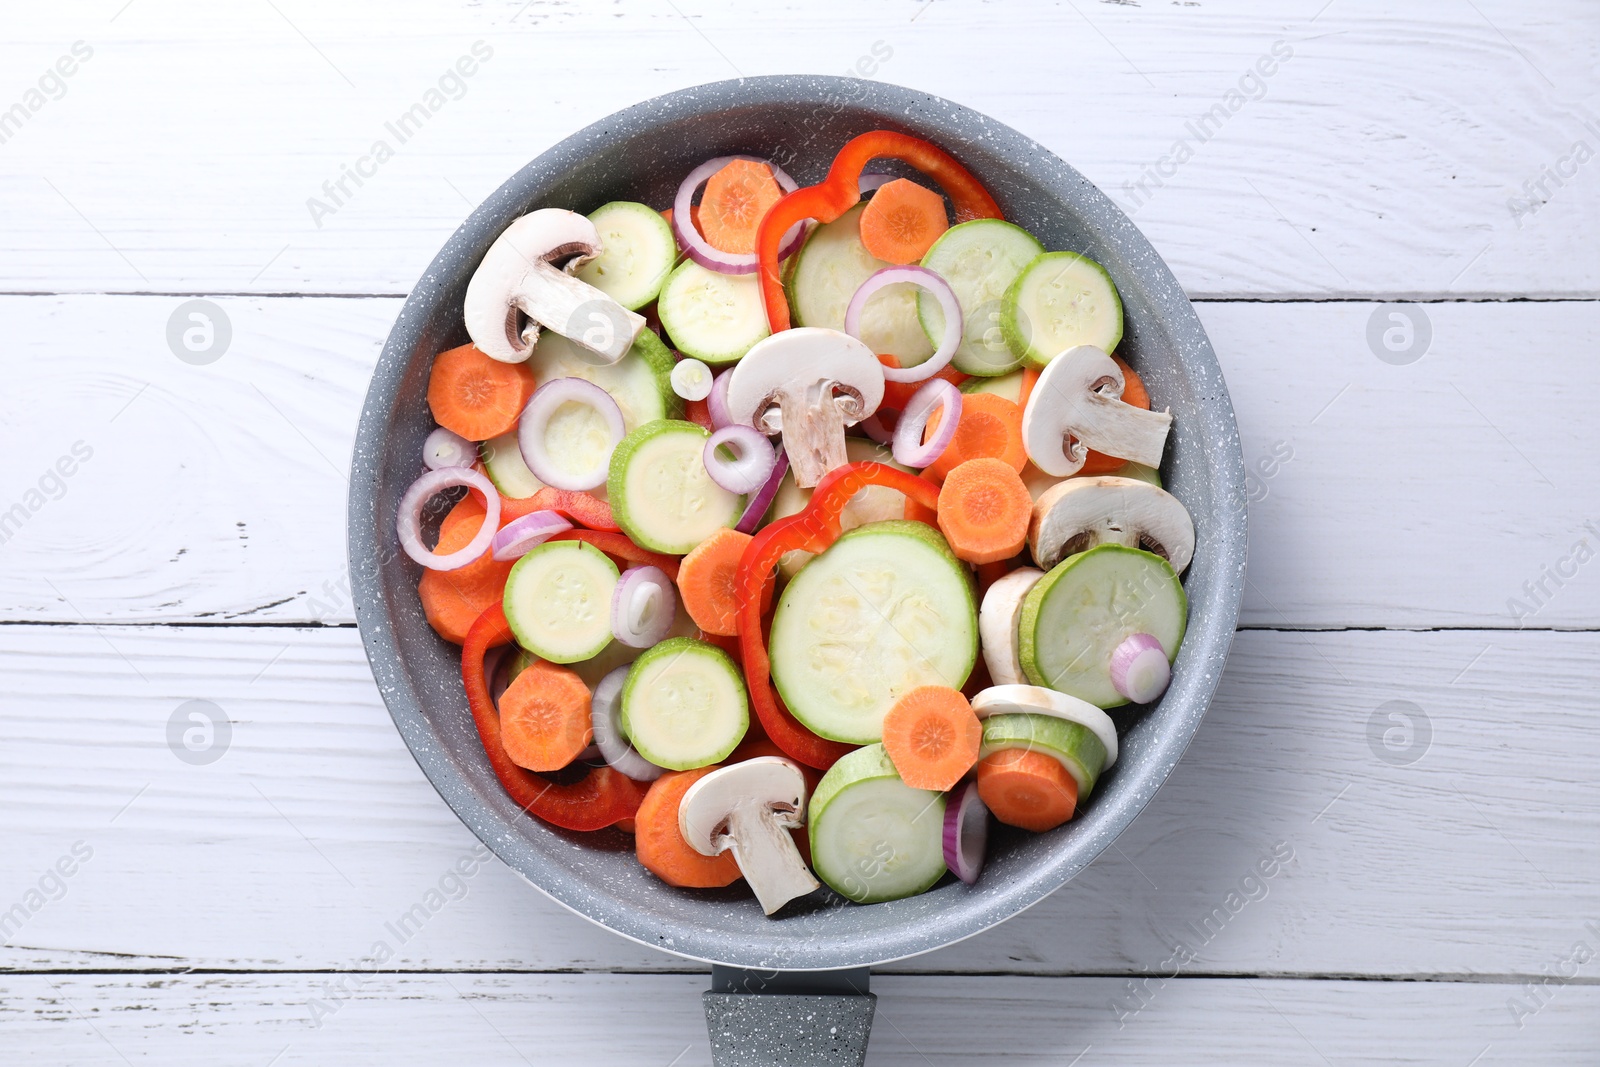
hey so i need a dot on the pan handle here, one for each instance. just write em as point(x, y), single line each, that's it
point(788, 1018)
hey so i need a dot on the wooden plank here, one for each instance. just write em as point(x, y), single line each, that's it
point(314, 829)
point(1383, 156)
point(217, 492)
point(521, 1019)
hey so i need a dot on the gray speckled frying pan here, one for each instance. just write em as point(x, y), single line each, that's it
point(641, 154)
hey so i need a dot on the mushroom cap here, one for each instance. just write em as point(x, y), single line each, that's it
point(1077, 405)
point(801, 357)
point(490, 308)
point(773, 783)
point(1037, 700)
point(1079, 513)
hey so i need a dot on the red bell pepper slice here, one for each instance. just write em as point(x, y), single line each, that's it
point(581, 508)
point(618, 545)
point(603, 797)
point(812, 529)
point(841, 190)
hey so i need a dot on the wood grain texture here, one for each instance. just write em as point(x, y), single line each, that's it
point(1420, 495)
point(1380, 158)
point(315, 829)
point(655, 1020)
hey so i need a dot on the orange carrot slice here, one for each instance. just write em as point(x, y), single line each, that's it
point(706, 581)
point(902, 220)
point(1027, 789)
point(453, 600)
point(932, 737)
point(984, 508)
point(475, 396)
point(545, 720)
point(1133, 392)
point(736, 198)
point(660, 844)
point(990, 426)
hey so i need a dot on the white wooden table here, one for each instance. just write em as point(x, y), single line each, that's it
point(1410, 709)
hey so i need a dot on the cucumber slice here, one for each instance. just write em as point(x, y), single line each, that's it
point(713, 317)
point(684, 704)
point(1086, 606)
point(1077, 747)
point(640, 382)
point(503, 463)
point(637, 251)
point(979, 259)
point(831, 266)
point(558, 600)
point(1061, 300)
point(885, 609)
point(660, 491)
point(1008, 385)
point(875, 503)
point(874, 838)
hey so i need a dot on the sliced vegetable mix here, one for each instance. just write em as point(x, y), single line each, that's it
point(750, 547)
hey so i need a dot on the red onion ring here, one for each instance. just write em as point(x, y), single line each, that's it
point(923, 278)
point(409, 520)
point(1139, 669)
point(966, 832)
point(717, 401)
point(752, 463)
point(519, 535)
point(605, 709)
point(446, 448)
point(535, 419)
point(909, 447)
point(643, 606)
point(698, 248)
point(756, 510)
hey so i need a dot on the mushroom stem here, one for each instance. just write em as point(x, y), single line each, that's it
point(767, 856)
point(813, 431)
point(576, 310)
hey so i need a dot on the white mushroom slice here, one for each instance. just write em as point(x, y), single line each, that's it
point(807, 383)
point(1079, 513)
point(1036, 700)
point(518, 288)
point(749, 808)
point(1077, 405)
point(997, 624)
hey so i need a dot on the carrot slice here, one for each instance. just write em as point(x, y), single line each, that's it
point(453, 600)
point(706, 581)
point(660, 844)
point(1133, 392)
point(902, 220)
point(1027, 789)
point(990, 426)
point(736, 198)
point(1030, 378)
point(475, 396)
point(545, 720)
point(932, 737)
point(984, 509)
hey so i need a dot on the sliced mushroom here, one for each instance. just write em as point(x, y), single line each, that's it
point(807, 383)
point(749, 808)
point(518, 287)
point(1079, 513)
point(997, 624)
point(1077, 405)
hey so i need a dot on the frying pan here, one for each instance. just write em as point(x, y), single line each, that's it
point(793, 989)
